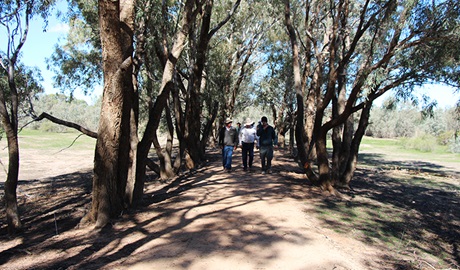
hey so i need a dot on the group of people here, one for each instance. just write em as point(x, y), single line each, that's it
point(247, 137)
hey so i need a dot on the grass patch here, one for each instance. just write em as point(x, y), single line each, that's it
point(391, 148)
point(32, 139)
point(424, 143)
point(403, 201)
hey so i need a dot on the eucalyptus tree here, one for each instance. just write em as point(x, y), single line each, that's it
point(77, 63)
point(189, 119)
point(352, 52)
point(158, 47)
point(168, 58)
point(16, 83)
point(111, 160)
point(275, 84)
point(237, 53)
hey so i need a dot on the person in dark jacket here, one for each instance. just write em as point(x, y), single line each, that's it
point(267, 139)
point(228, 141)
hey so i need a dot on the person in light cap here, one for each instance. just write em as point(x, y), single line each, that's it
point(248, 137)
point(228, 141)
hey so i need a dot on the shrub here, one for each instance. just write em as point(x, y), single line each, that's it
point(424, 143)
point(445, 137)
point(454, 146)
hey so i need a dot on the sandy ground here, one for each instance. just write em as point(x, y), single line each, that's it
point(209, 219)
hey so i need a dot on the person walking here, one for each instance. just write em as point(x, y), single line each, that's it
point(248, 136)
point(228, 141)
point(267, 139)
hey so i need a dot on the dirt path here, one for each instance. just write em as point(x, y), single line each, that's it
point(208, 219)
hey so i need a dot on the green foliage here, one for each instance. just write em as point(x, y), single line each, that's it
point(392, 123)
point(78, 62)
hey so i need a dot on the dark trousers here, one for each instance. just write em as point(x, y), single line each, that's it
point(247, 152)
point(266, 156)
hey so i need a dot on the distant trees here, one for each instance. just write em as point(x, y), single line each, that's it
point(64, 107)
point(408, 121)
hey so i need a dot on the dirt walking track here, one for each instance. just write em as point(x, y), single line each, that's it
point(209, 219)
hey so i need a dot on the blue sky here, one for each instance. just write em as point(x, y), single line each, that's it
point(40, 45)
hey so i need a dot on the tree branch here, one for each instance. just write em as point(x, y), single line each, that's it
point(223, 22)
point(55, 120)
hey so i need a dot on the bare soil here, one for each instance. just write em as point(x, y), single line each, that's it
point(211, 219)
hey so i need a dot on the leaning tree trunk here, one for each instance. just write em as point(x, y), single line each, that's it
point(166, 86)
point(111, 160)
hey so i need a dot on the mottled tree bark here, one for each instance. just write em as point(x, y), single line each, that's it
point(112, 154)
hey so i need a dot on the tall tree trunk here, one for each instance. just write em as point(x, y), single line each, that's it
point(193, 107)
point(347, 138)
point(10, 119)
point(324, 181)
point(180, 126)
point(111, 160)
point(338, 106)
point(129, 138)
point(347, 175)
point(299, 129)
point(10, 124)
point(310, 124)
point(11, 183)
point(193, 110)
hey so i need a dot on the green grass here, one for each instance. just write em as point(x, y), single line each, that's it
point(404, 199)
point(30, 139)
point(398, 223)
point(395, 147)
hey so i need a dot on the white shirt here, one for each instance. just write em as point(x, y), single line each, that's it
point(248, 135)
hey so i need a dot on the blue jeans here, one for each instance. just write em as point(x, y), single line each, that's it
point(247, 150)
point(227, 153)
point(266, 156)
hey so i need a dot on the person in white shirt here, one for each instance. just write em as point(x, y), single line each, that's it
point(247, 138)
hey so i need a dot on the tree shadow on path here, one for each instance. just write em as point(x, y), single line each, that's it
point(193, 216)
